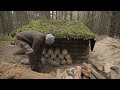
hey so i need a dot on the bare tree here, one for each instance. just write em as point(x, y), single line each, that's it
point(71, 12)
point(52, 15)
point(9, 22)
point(65, 15)
point(3, 15)
point(78, 16)
point(56, 15)
point(45, 15)
point(112, 23)
point(20, 18)
point(6, 21)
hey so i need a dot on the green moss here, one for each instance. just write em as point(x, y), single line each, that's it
point(58, 28)
point(5, 39)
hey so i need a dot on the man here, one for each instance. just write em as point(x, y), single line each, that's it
point(32, 43)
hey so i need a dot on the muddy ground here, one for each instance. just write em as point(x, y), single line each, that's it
point(107, 50)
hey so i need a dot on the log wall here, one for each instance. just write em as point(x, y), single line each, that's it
point(77, 48)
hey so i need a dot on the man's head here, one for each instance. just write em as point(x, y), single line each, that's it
point(49, 39)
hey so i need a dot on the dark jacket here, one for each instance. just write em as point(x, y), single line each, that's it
point(36, 41)
point(30, 36)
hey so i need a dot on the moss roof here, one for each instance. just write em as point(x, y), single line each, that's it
point(58, 28)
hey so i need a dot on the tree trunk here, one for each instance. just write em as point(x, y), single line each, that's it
point(2, 15)
point(52, 15)
point(97, 65)
point(78, 16)
point(65, 15)
point(10, 21)
point(94, 72)
point(56, 15)
point(71, 12)
point(78, 73)
point(21, 18)
point(112, 24)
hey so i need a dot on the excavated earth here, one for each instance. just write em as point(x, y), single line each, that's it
point(106, 50)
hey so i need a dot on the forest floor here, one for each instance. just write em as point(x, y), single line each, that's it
point(106, 50)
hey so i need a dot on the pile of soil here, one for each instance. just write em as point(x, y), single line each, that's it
point(107, 50)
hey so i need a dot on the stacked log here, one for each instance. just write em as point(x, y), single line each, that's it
point(77, 48)
point(61, 56)
point(63, 62)
point(44, 60)
point(56, 57)
point(54, 63)
point(84, 71)
point(44, 51)
point(68, 59)
point(64, 52)
point(57, 51)
point(53, 56)
point(50, 51)
point(47, 55)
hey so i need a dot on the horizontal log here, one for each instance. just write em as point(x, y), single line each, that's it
point(94, 72)
point(78, 50)
point(46, 55)
point(68, 56)
point(79, 57)
point(92, 76)
point(50, 51)
point(57, 59)
point(106, 75)
point(69, 61)
point(64, 52)
point(44, 51)
point(59, 74)
point(61, 56)
point(57, 51)
point(80, 60)
point(71, 40)
point(86, 72)
point(78, 54)
point(97, 65)
point(63, 62)
point(54, 63)
point(107, 67)
point(53, 56)
point(69, 45)
point(84, 77)
point(44, 60)
point(78, 73)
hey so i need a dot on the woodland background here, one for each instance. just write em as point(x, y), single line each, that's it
point(99, 22)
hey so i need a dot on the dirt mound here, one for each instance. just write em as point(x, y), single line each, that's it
point(15, 71)
point(107, 50)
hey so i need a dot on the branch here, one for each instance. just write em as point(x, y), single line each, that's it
point(109, 14)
